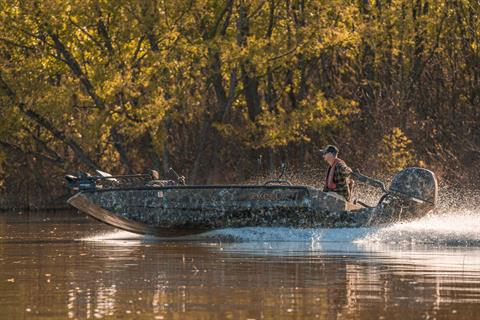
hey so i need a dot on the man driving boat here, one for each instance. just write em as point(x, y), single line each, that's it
point(337, 180)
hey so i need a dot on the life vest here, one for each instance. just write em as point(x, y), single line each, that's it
point(330, 174)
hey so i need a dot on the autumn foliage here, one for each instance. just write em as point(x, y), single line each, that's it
point(220, 90)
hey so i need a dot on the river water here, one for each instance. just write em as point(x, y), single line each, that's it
point(66, 266)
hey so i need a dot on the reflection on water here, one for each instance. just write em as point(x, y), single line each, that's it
point(65, 265)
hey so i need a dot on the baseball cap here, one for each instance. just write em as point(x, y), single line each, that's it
point(329, 149)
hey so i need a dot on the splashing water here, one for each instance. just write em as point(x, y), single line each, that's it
point(440, 241)
point(114, 236)
point(445, 242)
point(461, 228)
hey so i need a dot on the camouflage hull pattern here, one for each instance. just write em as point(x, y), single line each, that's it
point(180, 210)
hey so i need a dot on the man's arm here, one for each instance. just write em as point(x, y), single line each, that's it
point(343, 170)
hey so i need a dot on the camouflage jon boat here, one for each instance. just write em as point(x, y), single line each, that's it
point(140, 204)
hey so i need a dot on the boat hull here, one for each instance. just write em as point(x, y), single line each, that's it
point(180, 210)
point(172, 210)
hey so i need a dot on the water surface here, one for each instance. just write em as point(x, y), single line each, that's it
point(67, 266)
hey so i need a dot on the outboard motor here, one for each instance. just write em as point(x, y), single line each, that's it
point(417, 183)
point(412, 194)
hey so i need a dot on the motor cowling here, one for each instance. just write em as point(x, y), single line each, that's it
point(411, 195)
point(417, 183)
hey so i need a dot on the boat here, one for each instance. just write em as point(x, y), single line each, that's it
point(144, 204)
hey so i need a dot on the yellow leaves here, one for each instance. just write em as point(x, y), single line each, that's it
point(225, 129)
point(279, 127)
point(153, 61)
point(474, 46)
point(171, 37)
point(134, 120)
point(395, 151)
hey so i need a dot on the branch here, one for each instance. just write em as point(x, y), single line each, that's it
point(103, 32)
point(87, 34)
point(45, 123)
point(53, 154)
point(284, 54)
point(271, 20)
point(14, 148)
point(137, 50)
point(213, 30)
point(231, 95)
point(76, 70)
point(257, 10)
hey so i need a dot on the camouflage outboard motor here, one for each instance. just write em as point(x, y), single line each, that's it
point(412, 194)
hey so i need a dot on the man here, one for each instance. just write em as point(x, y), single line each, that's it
point(338, 174)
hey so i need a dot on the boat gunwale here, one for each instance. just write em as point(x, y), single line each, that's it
point(189, 187)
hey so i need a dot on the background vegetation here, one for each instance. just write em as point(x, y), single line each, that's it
point(223, 90)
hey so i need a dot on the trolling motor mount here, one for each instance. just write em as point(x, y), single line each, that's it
point(279, 180)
